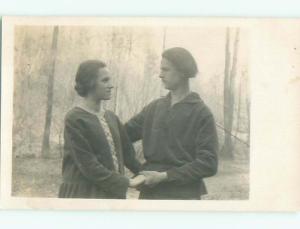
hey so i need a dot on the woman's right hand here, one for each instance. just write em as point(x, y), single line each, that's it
point(136, 181)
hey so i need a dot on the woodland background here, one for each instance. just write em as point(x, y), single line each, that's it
point(46, 59)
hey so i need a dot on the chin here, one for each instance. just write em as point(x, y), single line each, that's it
point(106, 98)
point(168, 88)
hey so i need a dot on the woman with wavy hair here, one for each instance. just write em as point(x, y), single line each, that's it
point(96, 147)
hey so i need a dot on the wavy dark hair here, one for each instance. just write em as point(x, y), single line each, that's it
point(86, 76)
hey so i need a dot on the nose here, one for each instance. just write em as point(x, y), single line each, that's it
point(110, 85)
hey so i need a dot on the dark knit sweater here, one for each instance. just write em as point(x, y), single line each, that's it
point(88, 169)
point(179, 139)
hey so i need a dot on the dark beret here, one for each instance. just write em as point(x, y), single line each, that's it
point(182, 60)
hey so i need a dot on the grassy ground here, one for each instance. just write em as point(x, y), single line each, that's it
point(230, 183)
point(36, 177)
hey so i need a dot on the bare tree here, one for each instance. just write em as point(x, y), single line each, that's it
point(46, 136)
point(238, 112)
point(248, 119)
point(163, 49)
point(229, 93)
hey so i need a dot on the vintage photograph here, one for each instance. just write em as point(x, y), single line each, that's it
point(148, 114)
point(131, 112)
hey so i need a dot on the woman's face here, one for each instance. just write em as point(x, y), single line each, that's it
point(103, 85)
point(171, 78)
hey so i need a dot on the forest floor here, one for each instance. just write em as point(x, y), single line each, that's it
point(37, 177)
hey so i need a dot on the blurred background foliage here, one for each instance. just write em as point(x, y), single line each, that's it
point(46, 61)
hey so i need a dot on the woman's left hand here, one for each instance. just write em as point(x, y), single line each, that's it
point(136, 181)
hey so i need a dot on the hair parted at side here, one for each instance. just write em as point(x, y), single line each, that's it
point(183, 60)
point(86, 76)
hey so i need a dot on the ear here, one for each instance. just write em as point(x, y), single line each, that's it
point(92, 83)
point(183, 76)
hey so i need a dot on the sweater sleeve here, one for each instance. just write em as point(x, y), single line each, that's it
point(134, 127)
point(128, 151)
point(88, 163)
point(206, 162)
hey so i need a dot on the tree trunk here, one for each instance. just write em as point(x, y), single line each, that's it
point(60, 143)
point(229, 89)
point(248, 119)
point(227, 147)
point(46, 136)
point(162, 89)
point(238, 113)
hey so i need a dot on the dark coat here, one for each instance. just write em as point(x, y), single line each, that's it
point(179, 139)
point(88, 169)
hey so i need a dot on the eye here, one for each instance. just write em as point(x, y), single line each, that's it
point(105, 80)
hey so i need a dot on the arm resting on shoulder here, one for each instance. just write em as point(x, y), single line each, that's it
point(128, 151)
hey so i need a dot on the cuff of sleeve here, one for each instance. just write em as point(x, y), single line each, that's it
point(119, 187)
point(171, 175)
point(137, 169)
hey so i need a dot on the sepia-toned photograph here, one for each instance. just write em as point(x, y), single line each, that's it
point(132, 110)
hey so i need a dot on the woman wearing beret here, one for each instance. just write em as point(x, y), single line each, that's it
point(96, 147)
point(178, 131)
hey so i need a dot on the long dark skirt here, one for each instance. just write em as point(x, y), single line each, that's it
point(84, 190)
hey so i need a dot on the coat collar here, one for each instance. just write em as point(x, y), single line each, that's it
point(85, 108)
point(191, 98)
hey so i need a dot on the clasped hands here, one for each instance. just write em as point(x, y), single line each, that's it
point(149, 178)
